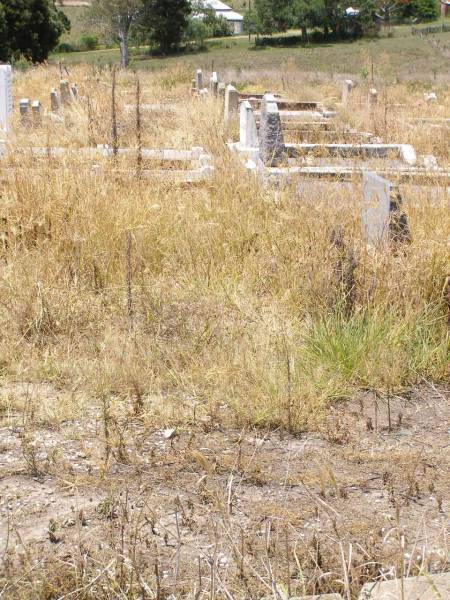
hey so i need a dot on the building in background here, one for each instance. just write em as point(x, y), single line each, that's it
point(234, 19)
point(445, 8)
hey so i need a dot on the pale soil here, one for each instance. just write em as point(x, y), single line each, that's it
point(214, 488)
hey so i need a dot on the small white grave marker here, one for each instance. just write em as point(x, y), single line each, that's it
point(214, 84)
point(6, 97)
point(347, 87)
point(36, 111)
point(54, 100)
point(24, 107)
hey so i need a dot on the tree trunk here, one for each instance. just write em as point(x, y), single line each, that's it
point(304, 30)
point(123, 43)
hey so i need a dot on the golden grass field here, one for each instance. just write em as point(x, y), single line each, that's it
point(222, 310)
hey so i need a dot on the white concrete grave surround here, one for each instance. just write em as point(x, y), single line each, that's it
point(6, 98)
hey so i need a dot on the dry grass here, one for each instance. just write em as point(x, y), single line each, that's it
point(144, 303)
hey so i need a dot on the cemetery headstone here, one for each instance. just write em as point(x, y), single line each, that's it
point(347, 87)
point(382, 217)
point(199, 80)
point(248, 132)
point(36, 112)
point(231, 102)
point(6, 97)
point(271, 140)
point(24, 107)
point(221, 88)
point(373, 97)
point(74, 91)
point(66, 95)
point(214, 84)
point(54, 100)
point(430, 97)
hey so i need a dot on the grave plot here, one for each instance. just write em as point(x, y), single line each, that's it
point(74, 123)
point(265, 151)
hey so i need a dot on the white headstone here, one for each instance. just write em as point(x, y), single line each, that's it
point(248, 132)
point(214, 84)
point(54, 100)
point(373, 97)
point(36, 111)
point(6, 97)
point(231, 102)
point(430, 97)
point(24, 107)
point(347, 87)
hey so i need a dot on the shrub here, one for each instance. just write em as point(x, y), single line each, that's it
point(88, 42)
point(65, 47)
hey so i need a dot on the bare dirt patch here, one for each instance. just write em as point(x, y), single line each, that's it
point(235, 509)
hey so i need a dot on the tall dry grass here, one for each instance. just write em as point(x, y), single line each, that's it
point(238, 295)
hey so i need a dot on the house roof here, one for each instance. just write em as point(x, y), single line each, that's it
point(223, 10)
point(218, 5)
point(229, 15)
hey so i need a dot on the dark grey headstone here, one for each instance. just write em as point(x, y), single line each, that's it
point(271, 144)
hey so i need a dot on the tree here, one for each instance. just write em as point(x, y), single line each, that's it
point(306, 14)
point(116, 18)
point(386, 9)
point(273, 15)
point(30, 28)
point(424, 10)
point(165, 22)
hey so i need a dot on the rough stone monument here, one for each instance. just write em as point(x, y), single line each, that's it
point(271, 140)
point(66, 96)
point(6, 98)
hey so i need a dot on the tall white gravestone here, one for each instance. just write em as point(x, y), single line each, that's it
point(383, 219)
point(6, 98)
point(248, 132)
point(376, 208)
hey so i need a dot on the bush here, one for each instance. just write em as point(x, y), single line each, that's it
point(65, 47)
point(88, 42)
point(280, 40)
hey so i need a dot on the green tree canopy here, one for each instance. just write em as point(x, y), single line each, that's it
point(165, 22)
point(30, 28)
